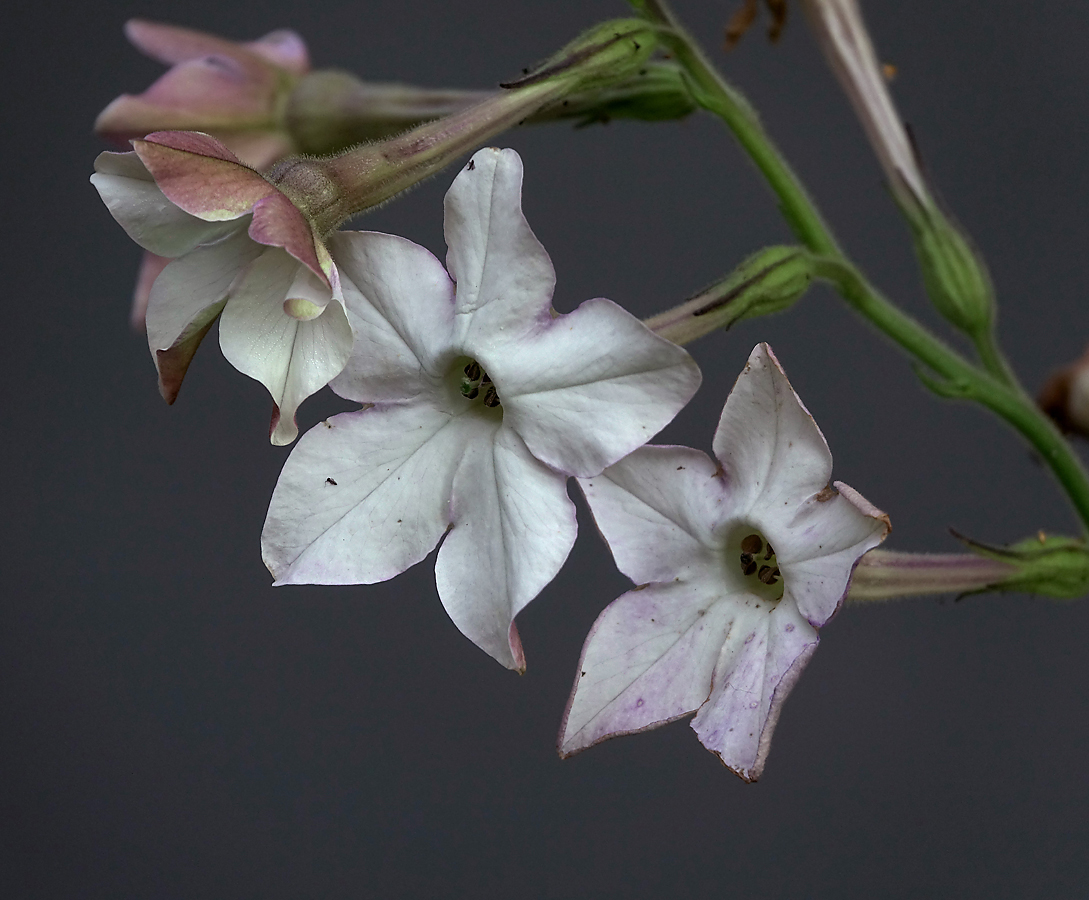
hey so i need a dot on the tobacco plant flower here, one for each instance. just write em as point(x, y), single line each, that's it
point(739, 562)
point(480, 402)
point(242, 251)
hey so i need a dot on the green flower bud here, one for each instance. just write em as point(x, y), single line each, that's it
point(769, 281)
point(955, 277)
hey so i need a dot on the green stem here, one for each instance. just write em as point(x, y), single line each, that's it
point(994, 360)
point(959, 378)
point(996, 388)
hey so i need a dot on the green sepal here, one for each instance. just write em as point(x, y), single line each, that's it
point(770, 281)
point(656, 93)
point(1051, 565)
point(607, 53)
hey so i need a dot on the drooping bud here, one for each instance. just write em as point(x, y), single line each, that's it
point(769, 281)
point(233, 90)
point(954, 275)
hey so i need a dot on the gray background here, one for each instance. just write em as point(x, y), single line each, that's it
point(174, 727)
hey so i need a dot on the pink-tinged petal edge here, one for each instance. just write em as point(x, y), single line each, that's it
point(202, 177)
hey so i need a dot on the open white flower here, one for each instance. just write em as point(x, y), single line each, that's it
point(482, 402)
point(242, 252)
point(739, 563)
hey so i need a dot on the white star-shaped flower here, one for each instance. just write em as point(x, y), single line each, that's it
point(242, 252)
point(739, 562)
point(481, 402)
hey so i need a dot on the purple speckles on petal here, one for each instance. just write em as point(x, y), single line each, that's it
point(753, 705)
point(639, 702)
point(749, 639)
point(789, 628)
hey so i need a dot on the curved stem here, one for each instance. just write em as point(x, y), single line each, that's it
point(997, 388)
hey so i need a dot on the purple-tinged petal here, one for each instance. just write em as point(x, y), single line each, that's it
point(363, 496)
point(759, 665)
point(772, 451)
point(292, 358)
point(172, 44)
point(513, 526)
point(148, 217)
point(504, 276)
point(600, 364)
point(210, 93)
point(151, 266)
point(283, 48)
point(647, 660)
point(400, 302)
point(201, 176)
point(185, 299)
point(657, 510)
point(820, 547)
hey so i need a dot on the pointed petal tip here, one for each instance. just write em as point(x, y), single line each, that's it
point(282, 430)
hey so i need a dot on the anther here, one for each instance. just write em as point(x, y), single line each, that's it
point(752, 544)
point(767, 574)
point(770, 552)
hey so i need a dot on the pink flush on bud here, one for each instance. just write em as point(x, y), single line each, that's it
point(236, 248)
point(230, 89)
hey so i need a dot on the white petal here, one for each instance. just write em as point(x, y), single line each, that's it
point(363, 496)
point(657, 510)
point(821, 546)
point(513, 527)
point(585, 389)
point(772, 451)
point(292, 359)
point(504, 276)
point(188, 287)
point(135, 201)
point(647, 660)
point(400, 302)
point(757, 669)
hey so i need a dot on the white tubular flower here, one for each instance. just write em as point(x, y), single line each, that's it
point(739, 562)
point(846, 44)
point(230, 245)
point(481, 402)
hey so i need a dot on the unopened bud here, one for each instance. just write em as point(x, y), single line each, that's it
point(769, 281)
point(954, 274)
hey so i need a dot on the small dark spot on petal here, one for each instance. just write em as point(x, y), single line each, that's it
point(330, 481)
point(472, 164)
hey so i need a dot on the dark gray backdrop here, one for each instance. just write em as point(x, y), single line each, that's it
point(173, 727)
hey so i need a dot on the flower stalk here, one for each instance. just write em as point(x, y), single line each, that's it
point(331, 190)
point(956, 377)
